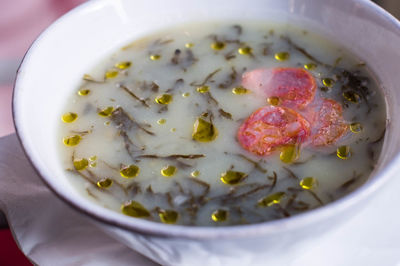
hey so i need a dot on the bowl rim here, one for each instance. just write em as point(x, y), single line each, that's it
point(197, 232)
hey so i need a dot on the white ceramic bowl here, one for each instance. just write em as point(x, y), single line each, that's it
point(53, 67)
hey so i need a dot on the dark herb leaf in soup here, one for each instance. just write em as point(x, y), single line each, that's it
point(218, 124)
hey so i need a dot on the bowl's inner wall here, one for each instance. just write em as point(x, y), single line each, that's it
point(54, 66)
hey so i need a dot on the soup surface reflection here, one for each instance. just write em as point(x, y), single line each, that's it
point(223, 124)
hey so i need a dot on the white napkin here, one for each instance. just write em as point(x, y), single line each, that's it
point(47, 230)
point(51, 233)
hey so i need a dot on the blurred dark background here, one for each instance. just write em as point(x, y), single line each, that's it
point(393, 6)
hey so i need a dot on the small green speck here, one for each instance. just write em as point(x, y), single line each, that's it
point(343, 152)
point(282, 56)
point(310, 66)
point(155, 57)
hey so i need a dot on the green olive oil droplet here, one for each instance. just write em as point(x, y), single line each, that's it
point(155, 57)
point(88, 77)
point(289, 153)
point(161, 121)
point(83, 92)
point(246, 50)
point(130, 171)
point(168, 216)
point(186, 94)
point(69, 117)
point(273, 100)
point(271, 199)
point(164, 99)
point(111, 74)
point(189, 45)
point(310, 66)
point(328, 82)
point(351, 96)
point(195, 173)
point(104, 183)
point(282, 56)
point(134, 209)
point(168, 171)
point(240, 90)
point(204, 131)
point(92, 161)
point(309, 183)
point(123, 65)
point(356, 127)
point(173, 129)
point(219, 215)
point(218, 46)
point(343, 152)
point(72, 140)
point(203, 89)
point(81, 164)
point(232, 177)
point(106, 111)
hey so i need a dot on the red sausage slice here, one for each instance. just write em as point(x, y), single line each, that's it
point(271, 127)
point(295, 87)
point(328, 124)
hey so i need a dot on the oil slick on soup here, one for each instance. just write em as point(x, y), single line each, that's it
point(223, 124)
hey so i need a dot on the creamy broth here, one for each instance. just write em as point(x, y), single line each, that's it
point(128, 136)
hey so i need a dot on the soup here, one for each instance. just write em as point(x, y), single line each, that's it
point(223, 124)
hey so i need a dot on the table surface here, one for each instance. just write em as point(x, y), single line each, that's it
point(19, 30)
